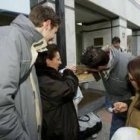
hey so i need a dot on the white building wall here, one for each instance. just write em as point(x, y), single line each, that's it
point(136, 42)
point(88, 37)
point(121, 31)
point(119, 28)
point(70, 31)
point(127, 9)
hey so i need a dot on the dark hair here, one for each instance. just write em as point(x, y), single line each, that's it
point(39, 14)
point(94, 57)
point(134, 70)
point(42, 56)
point(116, 40)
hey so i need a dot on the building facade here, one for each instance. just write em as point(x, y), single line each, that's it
point(85, 23)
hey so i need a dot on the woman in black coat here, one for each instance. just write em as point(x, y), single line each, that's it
point(57, 92)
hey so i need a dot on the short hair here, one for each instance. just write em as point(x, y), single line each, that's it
point(42, 56)
point(116, 40)
point(40, 13)
point(94, 57)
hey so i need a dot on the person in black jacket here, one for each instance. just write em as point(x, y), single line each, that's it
point(57, 92)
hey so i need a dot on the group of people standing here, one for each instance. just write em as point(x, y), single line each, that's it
point(36, 101)
point(120, 73)
point(30, 110)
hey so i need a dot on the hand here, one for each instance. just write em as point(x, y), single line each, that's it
point(101, 68)
point(71, 67)
point(120, 107)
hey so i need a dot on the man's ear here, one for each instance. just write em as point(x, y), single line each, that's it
point(48, 62)
point(47, 24)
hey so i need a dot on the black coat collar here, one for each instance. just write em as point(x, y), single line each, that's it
point(50, 72)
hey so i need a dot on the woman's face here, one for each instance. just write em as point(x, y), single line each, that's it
point(133, 82)
point(55, 62)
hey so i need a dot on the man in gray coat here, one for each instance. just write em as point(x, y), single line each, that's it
point(113, 71)
point(20, 111)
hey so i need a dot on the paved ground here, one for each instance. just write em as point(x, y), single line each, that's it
point(94, 100)
point(106, 119)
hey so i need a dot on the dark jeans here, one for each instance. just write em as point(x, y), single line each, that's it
point(108, 102)
point(118, 120)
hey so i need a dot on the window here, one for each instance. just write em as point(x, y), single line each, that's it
point(98, 41)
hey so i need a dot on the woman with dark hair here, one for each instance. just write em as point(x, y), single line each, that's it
point(132, 105)
point(57, 92)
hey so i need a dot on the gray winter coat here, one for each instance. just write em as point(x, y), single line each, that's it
point(17, 106)
point(116, 84)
